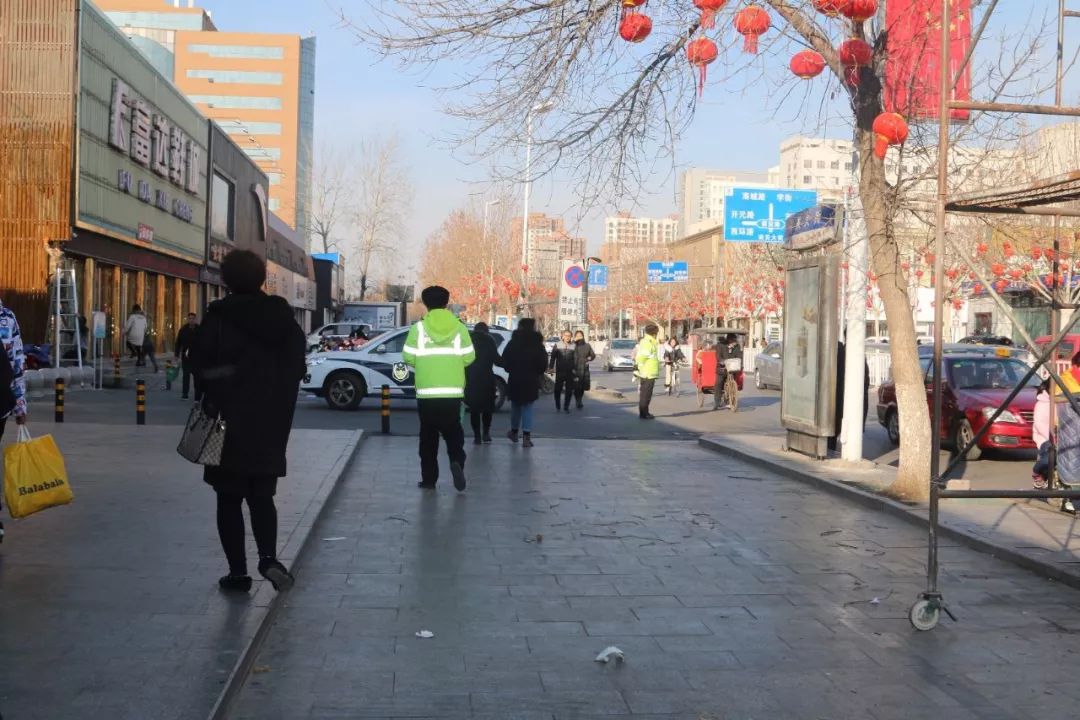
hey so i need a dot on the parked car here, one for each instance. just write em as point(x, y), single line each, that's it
point(973, 386)
point(619, 354)
point(986, 340)
point(769, 366)
point(345, 377)
point(336, 332)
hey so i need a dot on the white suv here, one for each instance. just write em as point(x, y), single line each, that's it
point(345, 377)
point(336, 331)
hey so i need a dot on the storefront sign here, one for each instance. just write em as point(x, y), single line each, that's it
point(143, 148)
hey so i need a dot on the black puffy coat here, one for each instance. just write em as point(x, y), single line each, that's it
point(583, 355)
point(480, 375)
point(248, 355)
point(525, 360)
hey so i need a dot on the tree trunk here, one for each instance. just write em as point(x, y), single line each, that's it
point(912, 481)
point(363, 286)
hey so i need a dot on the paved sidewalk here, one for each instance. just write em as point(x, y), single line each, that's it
point(733, 592)
point(1030, 532)
point(109, 607)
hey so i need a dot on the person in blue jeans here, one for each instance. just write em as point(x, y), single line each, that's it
point(525, 360)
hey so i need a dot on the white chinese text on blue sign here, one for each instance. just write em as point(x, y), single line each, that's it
point(759, 214)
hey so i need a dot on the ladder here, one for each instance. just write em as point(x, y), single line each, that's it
point(65, 329)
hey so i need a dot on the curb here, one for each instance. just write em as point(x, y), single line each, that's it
point(298, 545)
point(912, 515)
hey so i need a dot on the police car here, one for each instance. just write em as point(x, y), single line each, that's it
point(345, 377)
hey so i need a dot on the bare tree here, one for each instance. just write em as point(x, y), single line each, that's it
point(333, 203)
point(383, 198)
point(621, 107)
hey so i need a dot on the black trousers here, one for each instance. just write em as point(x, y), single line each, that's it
point(579, 391)
point(564, 390)
point(189, 377)
point(718, 390)
point(480, 421)
point(230, 522)
point(439, 417)
point(645, 395)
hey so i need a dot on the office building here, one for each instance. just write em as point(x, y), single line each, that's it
point(259, 87)
point(549, 245)
point(701, 196)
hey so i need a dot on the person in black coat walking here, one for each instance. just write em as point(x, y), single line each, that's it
point(248, 357)
point(525, 360)
point(583, 355)
point(184, 341)
point(562, 362)
point(480, 382)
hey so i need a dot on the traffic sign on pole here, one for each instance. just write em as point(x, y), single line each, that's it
point(598, 277)
point(667, 272)
point(759, 214)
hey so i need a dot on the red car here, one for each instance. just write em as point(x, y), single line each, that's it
point(974, 385)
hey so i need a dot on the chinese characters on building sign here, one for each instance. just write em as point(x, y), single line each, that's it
point(153, 142)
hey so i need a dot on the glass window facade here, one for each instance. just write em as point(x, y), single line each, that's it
point(261, 153)
point(222, 197)
point(238, 51)
point(248, 77)
point(238, 127)
point(160, 21)
point(306, 139)
point(238, 102)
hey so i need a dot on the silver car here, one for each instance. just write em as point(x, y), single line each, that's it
point(769, 366)
point(619, 354)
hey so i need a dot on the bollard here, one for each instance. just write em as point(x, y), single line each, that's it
point(168, 374)
point(59, 416)
point(140, 402)
point(385, 409)
point(116, 370)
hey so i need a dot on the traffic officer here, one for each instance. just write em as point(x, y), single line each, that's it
point(647, 361)
point(439, 348)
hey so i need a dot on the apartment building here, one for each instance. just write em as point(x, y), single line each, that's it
point(259, 87)
point(549, 244)
point(820, 164)
point(625, 229)
point(701, 196)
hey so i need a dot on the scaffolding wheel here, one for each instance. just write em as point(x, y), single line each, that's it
point(925, 614)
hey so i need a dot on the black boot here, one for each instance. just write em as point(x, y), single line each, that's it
point(276, 573)
point(235, 583)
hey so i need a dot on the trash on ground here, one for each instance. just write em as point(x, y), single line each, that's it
point(611, 653)
point(875, 601)
point(425, 634)
point(334, 539)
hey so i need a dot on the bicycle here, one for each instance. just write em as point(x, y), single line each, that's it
point(731, 392)
point(674, 386)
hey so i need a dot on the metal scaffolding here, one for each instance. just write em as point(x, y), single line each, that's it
point(1044, 197)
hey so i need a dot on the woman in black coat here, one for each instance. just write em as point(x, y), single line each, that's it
point(480, 382)
point(248, 356)
point(525, 360)
point(583, 355)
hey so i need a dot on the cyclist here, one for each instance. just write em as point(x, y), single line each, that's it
point(674, 359)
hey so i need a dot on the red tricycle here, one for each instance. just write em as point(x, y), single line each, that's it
point(703, 342)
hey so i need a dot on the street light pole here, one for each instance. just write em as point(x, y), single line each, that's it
point(491, 262)
point(536, 110)
point(585, 293)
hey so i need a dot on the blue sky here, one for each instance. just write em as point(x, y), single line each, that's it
point(357, 95)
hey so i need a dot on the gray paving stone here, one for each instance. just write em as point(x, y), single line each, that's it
point(722, 609)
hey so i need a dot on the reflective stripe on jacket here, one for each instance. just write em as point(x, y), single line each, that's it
point(439, 348)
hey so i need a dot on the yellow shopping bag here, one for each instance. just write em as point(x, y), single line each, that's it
point(34, 475)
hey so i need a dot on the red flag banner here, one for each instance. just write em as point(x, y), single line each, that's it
point(913, 65)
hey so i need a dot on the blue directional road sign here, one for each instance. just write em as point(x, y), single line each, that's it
point(813, 227)
point(598, 275)
point(759, 214)
point(667, 272)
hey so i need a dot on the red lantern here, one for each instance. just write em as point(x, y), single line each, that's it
point(1001, 286)
point(971, 276)
point(918, 273)
point(951, 273)
point(906, 265)
point(928, 258)
point(889, 129)
point(807, 64)
point(635, 27)
point(708, 9)
point(700, 53)
point(1036, 253)
point(1016, 273)
point(997, 269)
point(860, 10)
point(981, 248)
point(832, 8)
point(855, 53)
point(1049, 253)
point(752, 22)
point(1008, 250)
point(1028, 267)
